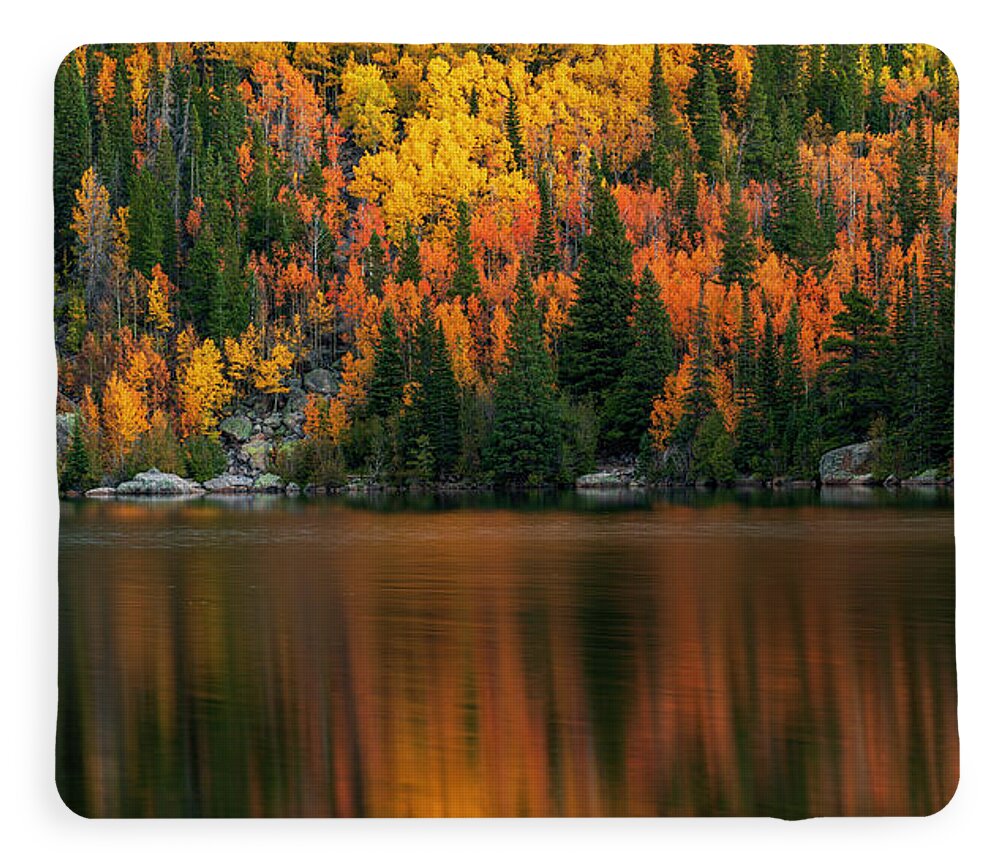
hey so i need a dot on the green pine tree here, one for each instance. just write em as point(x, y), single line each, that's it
point(739, 253)
point(512, 123)
point(465, 282)
point(373, 265)
point(545, 255)
point(409, 259)
point(71, 154)
point(707, 128)
point(388, 378)
point(524, 444)
point(594, 342)
point(649, 360)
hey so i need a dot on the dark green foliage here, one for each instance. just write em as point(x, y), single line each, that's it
point(204, 458)
point(78, 472)
point(592, 351)
point(524, 445)
point(855, 381)
point(668, 137)
point(759, 161)
point(906, 198)
point(739, 253)
point(115, 137)
point(545, 256)
point(309, 461)
point(580, 429)
point(687, 203)
point(707, 127)
point(698, 402)
point(386, 394)
point(373, 265)
point(146, 219)
point(648, 361)
point(409, 259)
point(267, 223)
point(512, 124)
point(712, 451)
point(797, 233)
point(436, 405)
point(465, 282)
point(718, 60)
point(71, 154)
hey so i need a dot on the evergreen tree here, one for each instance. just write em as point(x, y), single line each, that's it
point(465, 282)
point(855, 380)
point(595, 339)
point(698, 401)
point(758, 161)
point(668, 138)
point(202, 291)
point(512, 123)
point(373, 265)
point(906, 198)
point(78, 472)
point(146, 223)
point(687, 203)
point(388, 378)
point(266, 222)
point(71, 154)
point(707, 127)
point(718, 59)
point(739, 253)
point(797, 233)
point(409, 259)
point(524, 444)
point(876, 111)
point(545, 256)
point(649, 360)
point(790, 394)
point(165, 172)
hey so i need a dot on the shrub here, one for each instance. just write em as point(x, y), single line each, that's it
point(204, 458)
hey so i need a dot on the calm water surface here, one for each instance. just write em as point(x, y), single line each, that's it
point(695, 654)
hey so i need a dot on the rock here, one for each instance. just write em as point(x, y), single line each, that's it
point(65, 422)
point(320, 381)
point(268, 483)
point(295, 402)
point(256, 453)
point(852, 464)
point(927, 477)
point(292, 489)
point(606, 478)
point(156, 483)
point(891, 481)
point(229, 483)
point(237, 427)
point(100, 492)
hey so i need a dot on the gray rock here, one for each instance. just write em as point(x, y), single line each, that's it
point(155, 483)
point(229, 483)
point(100, 492)
point(607, 478)
point(269, 483)
point(256, 453)
point(292, 489)
point(295, 402)
point(237, 427)
point(65, 422)
point(321, 381)
point(927, 477)
point(852, 464)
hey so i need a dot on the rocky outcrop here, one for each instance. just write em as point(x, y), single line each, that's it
point(256, 452)
point(852, 464)
point(927, 478)
point(156, 483)
point(268, 483)
point(65, 422)
point(607, 478)
point(320, 381)
point(100, 492)
point(237, 427)
point(229, 483)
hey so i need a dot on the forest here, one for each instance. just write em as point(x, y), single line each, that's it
point(503, 264)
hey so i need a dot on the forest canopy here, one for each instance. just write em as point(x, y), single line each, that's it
point(504, 262)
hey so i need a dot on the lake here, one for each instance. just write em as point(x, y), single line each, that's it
point(766, 653)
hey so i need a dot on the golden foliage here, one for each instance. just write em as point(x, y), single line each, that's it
point(202, 389)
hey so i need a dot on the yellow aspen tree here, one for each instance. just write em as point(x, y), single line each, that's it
point(243, 355)
point(158, 291)
point(124, 417)
point(202, 391)
point(269, 376)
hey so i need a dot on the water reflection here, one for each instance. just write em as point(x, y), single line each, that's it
point(691, 654)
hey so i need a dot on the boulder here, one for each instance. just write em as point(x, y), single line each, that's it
point(927, 477)
point(852, 464)
point(100, 492)
point(295, 401)
point(606, 478)
point(229, 483)
point(256, 453)
point(237, 427)
point(320, 381)
point(293, 489)
point(156, 483)
point(65, 422)
point(268, 483)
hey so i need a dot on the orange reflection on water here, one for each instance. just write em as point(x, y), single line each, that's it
point(672, 660)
